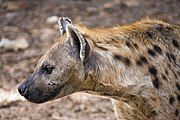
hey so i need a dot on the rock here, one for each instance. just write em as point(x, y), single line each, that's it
point(52, 19)
point(14, 45)
point(15, 5)
point(92, 9)
point(132, 3)
point(8, 98)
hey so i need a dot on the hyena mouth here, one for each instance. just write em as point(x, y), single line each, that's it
point(38, 96)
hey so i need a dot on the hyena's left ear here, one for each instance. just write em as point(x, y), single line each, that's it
point(78, 42)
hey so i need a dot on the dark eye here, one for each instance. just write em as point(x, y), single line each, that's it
point(47, 69)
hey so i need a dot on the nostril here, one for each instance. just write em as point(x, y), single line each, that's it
point(22, 89)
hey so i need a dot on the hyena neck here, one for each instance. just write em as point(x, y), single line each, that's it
point(112, 77)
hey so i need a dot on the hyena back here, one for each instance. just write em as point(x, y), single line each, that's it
point(136, 65)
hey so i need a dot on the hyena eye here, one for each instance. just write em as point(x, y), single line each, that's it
point(47, 69)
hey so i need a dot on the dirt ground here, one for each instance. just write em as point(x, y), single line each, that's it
point(28, 19)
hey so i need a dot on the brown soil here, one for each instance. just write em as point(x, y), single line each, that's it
point(27, 19)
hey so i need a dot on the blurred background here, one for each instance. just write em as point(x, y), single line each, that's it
point(29, 27)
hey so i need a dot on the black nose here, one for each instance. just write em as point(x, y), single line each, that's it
point(22, 89)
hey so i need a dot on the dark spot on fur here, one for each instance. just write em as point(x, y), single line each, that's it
point(119, 57)
point(153, 70)
point(164, 77)
point(106, 94)
point(153, 112)
point(169, 66)
point(128, 44)
point(127, 61)
point(156, 83)
point(123, 59)
point(151, 52)
point(178, 97)
point(177, 86)
point(135, 45)
point(159, 27)
point(176, 112)
point(157, 49)
point(142, 60)
point(149, 34)
point(138, 62)
point(171, 99)
point(166, 72)
point(175, 43)
point(169, 28)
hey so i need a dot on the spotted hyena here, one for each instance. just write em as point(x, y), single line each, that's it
point(136, 65)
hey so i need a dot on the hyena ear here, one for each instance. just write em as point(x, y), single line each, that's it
point(63, 23)
point(78, 41)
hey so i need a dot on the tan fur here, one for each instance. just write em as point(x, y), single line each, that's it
point(137, 65)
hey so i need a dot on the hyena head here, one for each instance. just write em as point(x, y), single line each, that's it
point(60, 71)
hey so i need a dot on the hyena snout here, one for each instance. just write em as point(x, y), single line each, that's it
point(37, 91)
point(22, 89)
point(31, 92)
